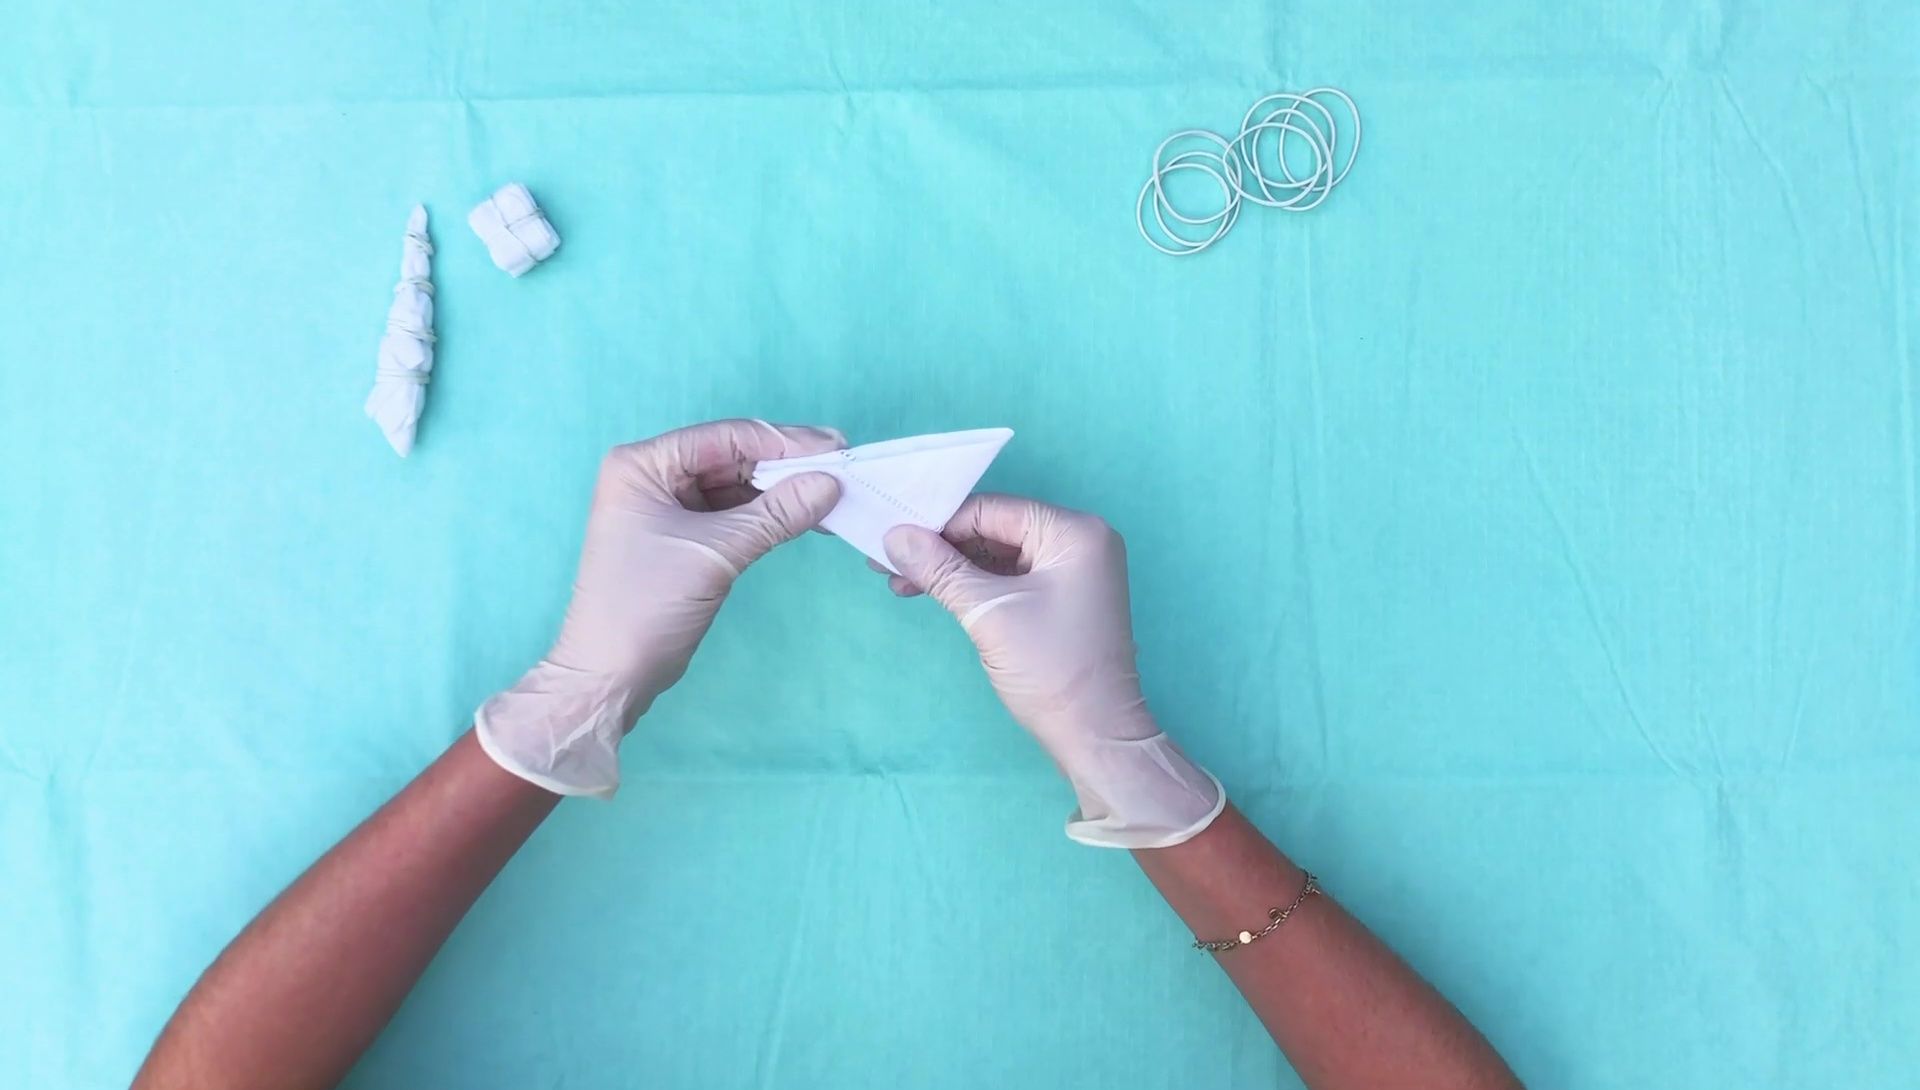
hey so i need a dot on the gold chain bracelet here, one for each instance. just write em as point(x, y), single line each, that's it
point(1275, 917)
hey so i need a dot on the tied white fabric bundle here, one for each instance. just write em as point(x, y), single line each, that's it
point(516, 232)
point(406, 351)
point(919, 481)
point(1245, 169)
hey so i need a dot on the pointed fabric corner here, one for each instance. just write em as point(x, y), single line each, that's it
point(919, 481)
point(406, 349)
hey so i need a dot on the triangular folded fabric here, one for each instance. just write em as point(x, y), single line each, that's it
point(920, 480)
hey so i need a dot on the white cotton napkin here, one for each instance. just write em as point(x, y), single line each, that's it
point(406, 350)
point(516, 232)
point(920, 480)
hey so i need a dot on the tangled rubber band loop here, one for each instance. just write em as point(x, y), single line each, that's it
point(1223, 166)
point(1309, 190)
point(1240, 167)
point(1322, 139)
point(421, 241)
point(420, 282)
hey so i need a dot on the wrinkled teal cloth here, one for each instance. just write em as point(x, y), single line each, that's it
point(1526, 536)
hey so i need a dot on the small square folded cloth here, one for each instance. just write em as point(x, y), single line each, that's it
point(516, 232)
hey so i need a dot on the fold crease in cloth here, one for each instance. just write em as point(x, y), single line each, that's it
point(919, 481)
point(406, 350)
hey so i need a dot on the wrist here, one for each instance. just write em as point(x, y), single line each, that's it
point(641, 662)
point(1078, 735)
point(560, 727)
point(1140, 792)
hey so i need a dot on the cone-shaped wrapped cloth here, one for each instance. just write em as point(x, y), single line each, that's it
point(406, 350)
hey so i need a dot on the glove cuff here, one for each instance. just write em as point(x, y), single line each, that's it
point(560, 729)
point(1140, 793)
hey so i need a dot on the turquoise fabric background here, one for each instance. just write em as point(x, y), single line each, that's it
point(1527, 537)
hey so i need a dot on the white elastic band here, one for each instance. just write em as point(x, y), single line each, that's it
point(509, 225)
point(1322, 143)
point(1223, 166)
point(404, 374)
point(425, 336)
point(1240, 169)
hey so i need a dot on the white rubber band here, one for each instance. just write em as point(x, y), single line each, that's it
point(424, 336)
point(509, 225)
point(1240, 168)
point(1223, 166)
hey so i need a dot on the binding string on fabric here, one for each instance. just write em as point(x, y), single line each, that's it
point(531, 215)
point(425, 336)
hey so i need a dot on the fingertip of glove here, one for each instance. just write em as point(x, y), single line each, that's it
point(904, 544)
point(805, 439)
point(815, 489)
point(801, 501)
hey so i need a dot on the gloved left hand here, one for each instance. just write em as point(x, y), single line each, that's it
point(674, 522)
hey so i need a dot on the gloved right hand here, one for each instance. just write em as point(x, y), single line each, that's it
point(674, 522)
point(1042, 591)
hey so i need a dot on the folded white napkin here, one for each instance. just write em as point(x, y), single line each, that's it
point(516, 232)
point(406, 350)
point(921, 480)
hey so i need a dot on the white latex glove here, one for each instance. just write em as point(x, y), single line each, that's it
point(1043, 593)
point(674, 522)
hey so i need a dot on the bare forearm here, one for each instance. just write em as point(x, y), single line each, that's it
point(296, 998)
point(1347, 1012)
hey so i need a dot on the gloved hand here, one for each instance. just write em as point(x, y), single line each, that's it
point(1043, 593)
point(674, 522)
